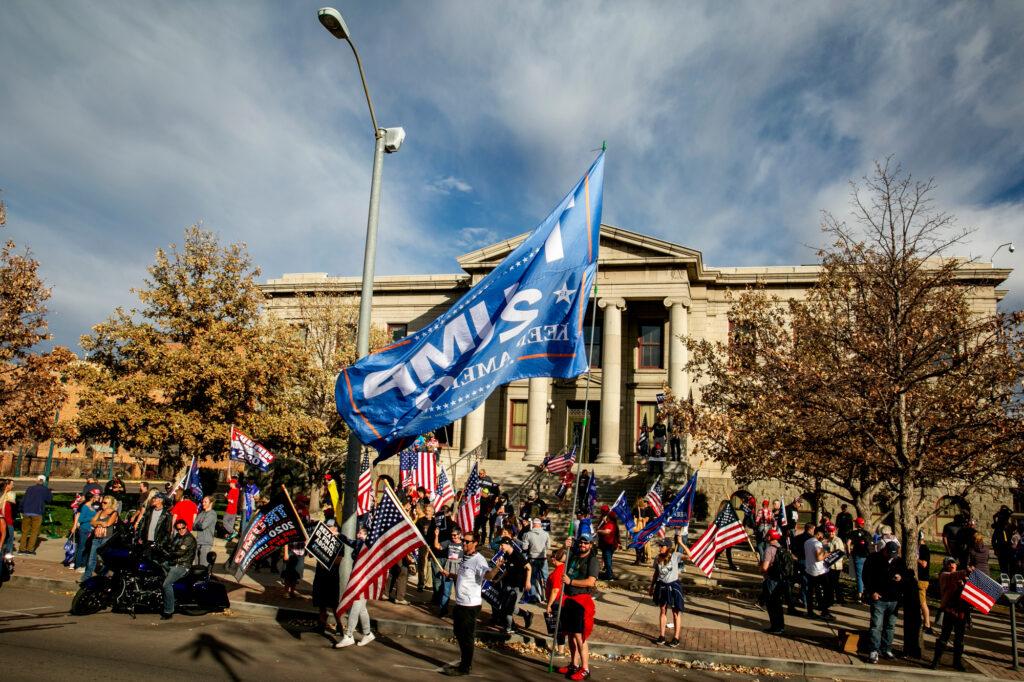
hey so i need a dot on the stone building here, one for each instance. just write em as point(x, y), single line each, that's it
point(649, 293)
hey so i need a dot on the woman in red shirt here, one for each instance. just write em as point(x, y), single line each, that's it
point(554, 591)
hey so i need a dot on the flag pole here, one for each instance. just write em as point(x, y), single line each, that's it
point(302, 526)
point(230, 432)
point(579, 461)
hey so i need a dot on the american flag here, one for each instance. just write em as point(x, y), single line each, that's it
point(642, 441)
point(981, 592)
point(725, 532)
point(783, 521)
point(418, 468)
point(654, 498)
point(392, 536)
point(470, 505)
point(364, 496)
point(444, 492)
point(558, 463)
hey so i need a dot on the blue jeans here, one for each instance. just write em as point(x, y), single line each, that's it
point(607, 553)
point(801, 581)
point(174, 573)
point(538, 577)
point(90, 564)
point(442, 591)
point(82, 538)
point(858, 572)
point(883, 624)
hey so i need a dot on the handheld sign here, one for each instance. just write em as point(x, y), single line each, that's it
point(275, 525)
point(324, 545)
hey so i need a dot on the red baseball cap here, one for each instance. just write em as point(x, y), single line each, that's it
point(860, 521)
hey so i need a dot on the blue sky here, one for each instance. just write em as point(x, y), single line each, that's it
point(730, 127)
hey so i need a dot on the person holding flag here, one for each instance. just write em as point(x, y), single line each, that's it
point(608, 540)
point(666, 589)
point(358, 612)
point(577, 610)
point(956, 612)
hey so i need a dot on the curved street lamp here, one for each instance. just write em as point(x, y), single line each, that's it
point(387, 140)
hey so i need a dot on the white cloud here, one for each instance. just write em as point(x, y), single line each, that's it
point(450, 184)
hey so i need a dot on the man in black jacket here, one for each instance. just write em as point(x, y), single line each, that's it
point(180, 550)
point(883, 587)
point(154, 528)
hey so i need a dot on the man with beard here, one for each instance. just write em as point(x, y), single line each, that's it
point(577, 620)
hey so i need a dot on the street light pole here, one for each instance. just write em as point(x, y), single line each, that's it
point(385, 140)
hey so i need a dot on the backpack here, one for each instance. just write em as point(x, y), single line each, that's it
point(783, 565)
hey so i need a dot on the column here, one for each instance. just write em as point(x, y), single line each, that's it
point(611, 380)
point(678, 379)
point(537, 420)
point(473, 428)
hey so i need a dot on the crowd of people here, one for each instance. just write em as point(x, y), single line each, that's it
point(806, 568)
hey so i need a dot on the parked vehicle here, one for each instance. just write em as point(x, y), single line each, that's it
point(133, 582)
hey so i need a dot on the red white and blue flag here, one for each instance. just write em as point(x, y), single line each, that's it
point(725, 532)
point(247, 450)
point(654, 498)
point(392, 537)
point(364, 494)
point(444, 492)
point(981, 591)
point(418, 469)
point(559, 463)
point(470, 505)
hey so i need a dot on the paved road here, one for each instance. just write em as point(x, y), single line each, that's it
point(39, 640)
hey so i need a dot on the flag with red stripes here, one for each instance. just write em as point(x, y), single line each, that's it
point(559, 463)
point(981, 591)
point(470, 505)
point(392, 536)
point(444, 492)
point(725, 532)
point(654, 499)
point(425, 475)
point(364, 495)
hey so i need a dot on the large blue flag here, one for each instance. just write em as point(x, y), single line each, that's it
point(523, 320)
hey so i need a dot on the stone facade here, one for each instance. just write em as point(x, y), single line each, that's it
point(649, 293)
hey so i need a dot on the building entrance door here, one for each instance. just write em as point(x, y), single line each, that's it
point(574, 429)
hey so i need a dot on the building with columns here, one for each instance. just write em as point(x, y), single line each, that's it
point(650, 292)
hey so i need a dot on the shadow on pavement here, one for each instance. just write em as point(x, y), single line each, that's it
point(217, 649)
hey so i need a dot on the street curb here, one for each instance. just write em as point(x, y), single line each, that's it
point(399, 628)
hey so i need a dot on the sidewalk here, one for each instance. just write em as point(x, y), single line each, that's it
point(721, 625)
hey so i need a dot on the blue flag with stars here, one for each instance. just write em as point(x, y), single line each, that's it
point(523, 320)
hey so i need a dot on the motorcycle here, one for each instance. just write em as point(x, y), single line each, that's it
point(133, 582)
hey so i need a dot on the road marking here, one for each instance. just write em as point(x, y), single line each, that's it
point(30, 608)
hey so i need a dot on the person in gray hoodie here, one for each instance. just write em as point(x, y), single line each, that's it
point(204, 525)
point(536, 543)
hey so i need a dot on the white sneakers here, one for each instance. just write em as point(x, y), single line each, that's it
point(347, 640)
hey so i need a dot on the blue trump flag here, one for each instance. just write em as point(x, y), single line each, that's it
point(679, 509)
point(623, 512)
point(523, 320)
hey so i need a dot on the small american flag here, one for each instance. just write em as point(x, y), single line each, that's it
point(364, 496)
point(470, 505)
point(444, 492)
point(558, 463)
point(725, 532)
point(642, 441)
point(392, 536)
point(654, 498)
point(981, 592)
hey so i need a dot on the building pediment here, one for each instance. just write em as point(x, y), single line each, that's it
point(618, 247)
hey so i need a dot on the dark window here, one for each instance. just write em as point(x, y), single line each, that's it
point(649, 345)
point(398, 331)
point(517, 425)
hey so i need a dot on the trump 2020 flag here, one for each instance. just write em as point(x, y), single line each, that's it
point(523, 320)
point(623, 512)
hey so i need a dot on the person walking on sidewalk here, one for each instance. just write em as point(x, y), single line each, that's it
point(33, 505)
point(469, 581)
point(577, 620)
point(858, 546)
point(776, 567)
point(357, 613)
point(956, 613)
point(666, 589)
point(883, 584)
point(536, 542)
